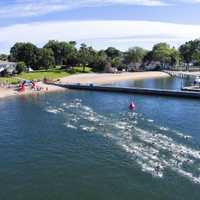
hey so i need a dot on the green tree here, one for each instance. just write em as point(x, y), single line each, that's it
point(175, 57)
point(99, 62)
point(190, 52)
point(112, 52)
point(86, 55)
point(57, 50)
point(135, 55)
point(21, 67)
point(72, 60)
point(116, 62)
point(162, 53)
point(25, 52)
point(3, 57)
point(45, 59)
point(62, 50)
point(148, 58)
point(196, 58)
point(186, 53)
point(69, 53)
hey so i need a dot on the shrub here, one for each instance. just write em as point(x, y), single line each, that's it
point(21, 67)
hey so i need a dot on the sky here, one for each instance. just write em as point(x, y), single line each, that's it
point(99, 23)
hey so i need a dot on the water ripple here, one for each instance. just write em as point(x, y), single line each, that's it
point(154, 151)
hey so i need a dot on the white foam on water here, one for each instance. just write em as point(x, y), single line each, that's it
point(86, 108)
point(188, 175)
point(78, 100)
point(162, 128)
point(53, 110)
point(146, 157)
point(75, 119)
point(93, 119)
point(70, 126)
point(61, 109)
point(88, 128)
point(182, 135)
point(166, 143)
point(180, 155)
point(154, 152)
point(177, 133)
point(121, 125)
point(64, 104)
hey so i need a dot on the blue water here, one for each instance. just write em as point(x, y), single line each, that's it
point(88, 145)
point(159, 83)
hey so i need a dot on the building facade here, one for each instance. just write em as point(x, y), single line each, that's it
point(7, 67)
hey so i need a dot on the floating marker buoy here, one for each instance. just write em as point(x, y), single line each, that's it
point(131, 106)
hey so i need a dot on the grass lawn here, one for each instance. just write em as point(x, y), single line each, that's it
point(77, 70)
point(51, 74)
point(9, 80)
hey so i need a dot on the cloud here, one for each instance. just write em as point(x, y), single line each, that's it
point(22, 8)
point(100, 34)
point(190, 1)
point(28, 8)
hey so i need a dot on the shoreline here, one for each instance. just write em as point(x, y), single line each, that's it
point(104, 78)
point(94, 78)
point(7, 92)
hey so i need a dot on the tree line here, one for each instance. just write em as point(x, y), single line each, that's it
point(56, 53)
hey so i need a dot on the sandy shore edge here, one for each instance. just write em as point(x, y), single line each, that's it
point(94, 78)
point(105, 78)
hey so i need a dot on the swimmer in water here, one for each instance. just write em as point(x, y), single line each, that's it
point(157, 168)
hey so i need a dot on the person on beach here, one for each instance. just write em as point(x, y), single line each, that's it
point(21, 87)
point(33, 85)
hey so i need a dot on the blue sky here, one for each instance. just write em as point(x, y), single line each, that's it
point(100, 23)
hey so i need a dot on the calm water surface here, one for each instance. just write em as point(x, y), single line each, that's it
point(88, 145)
point(159, 83)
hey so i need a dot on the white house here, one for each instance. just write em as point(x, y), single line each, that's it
point(9, 67)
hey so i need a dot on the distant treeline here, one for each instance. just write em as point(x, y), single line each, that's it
point(67, 54)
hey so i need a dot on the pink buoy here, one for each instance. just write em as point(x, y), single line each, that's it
point(131, 106)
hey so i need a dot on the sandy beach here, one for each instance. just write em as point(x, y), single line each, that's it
point(94, 78)
point(9, 92)
point(105, 78)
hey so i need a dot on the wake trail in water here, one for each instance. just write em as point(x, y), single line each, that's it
point(154, 151)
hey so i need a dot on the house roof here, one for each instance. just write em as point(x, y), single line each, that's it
point(6, 62)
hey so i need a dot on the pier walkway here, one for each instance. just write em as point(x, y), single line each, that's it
point(134, 90)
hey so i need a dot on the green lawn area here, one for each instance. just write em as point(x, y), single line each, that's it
point(77, 70)
point(9, 80)
point(51, 74)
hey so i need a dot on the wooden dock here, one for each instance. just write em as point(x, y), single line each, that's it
point(134, 90)
point(191, 88)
